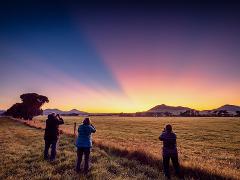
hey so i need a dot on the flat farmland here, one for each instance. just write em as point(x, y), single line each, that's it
point(209, 144)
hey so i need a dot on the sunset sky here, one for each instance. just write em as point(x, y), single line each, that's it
point(120, 57)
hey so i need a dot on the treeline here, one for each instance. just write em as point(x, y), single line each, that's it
point(187, 113)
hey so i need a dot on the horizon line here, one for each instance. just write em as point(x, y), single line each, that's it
point(144, 110)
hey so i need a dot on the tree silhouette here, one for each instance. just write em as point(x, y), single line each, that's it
point(223, 113)
point(238, 113)
point(30, 106)
point(190, 113)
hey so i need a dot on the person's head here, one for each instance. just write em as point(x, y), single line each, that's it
point(51, 116)
point(86, 121)
point(168, 128)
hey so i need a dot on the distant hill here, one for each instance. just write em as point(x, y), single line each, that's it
point(57, 111)
point(176, 110)
point(228, 107)
point(1, 111)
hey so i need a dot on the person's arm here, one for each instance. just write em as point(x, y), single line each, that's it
point(175, 138)
point(93, 129)
point(46, 124)
point(79, 128)
point(60, 120)
point(161, 137)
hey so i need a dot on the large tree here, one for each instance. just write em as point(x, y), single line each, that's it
point(30, 106)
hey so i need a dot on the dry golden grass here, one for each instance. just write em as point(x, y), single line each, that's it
point(21, 158)
point(124, 148)
point(206, 145)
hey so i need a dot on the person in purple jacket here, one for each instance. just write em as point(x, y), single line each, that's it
point(169, 151)
point(84, 144)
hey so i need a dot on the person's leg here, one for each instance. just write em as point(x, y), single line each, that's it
point(53, 150)
point(46, 148)
point(79, 159)
point(166, 160)
point(86, 159)
point(175, 163)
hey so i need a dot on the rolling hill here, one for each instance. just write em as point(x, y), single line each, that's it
point(228, 107)
point(57, 111)
point(176, 110)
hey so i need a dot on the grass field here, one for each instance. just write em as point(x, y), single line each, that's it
point(128, 148)
point(21, 158)
point(210, 144)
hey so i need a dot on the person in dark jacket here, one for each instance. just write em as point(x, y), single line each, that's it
point(169, 151)
point(52, 134)
point(84, 144)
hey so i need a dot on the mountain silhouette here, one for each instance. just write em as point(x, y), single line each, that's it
point(172, 109)
point(228, 107)
point(57, 111)
point(176, 110)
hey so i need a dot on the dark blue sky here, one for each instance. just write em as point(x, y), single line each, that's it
point(47, 30)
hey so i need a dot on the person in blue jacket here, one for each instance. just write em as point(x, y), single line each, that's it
point(84, 143)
